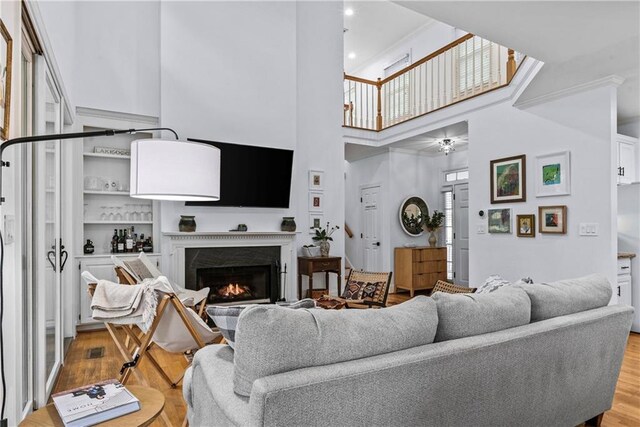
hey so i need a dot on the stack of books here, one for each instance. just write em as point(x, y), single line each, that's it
point(95, 403)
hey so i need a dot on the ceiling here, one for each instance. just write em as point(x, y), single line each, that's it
point(425, 144)
point(579, 41)
point(374, 27)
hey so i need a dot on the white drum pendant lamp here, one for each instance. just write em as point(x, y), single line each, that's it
point(175, 170)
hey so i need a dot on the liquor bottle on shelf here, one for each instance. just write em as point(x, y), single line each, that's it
point(120, 241)
point(114, 241)
point(140, 244)
point(148, 246)
point(129, 241)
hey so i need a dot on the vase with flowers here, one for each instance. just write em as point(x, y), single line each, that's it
point(432, 224)
point(323, 235)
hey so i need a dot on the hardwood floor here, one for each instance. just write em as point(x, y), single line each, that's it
point(79, 370)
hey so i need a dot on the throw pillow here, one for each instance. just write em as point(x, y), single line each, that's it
point(272, 340)
point(353, 290)
point(465, 315)
point(226, 316)
point(492, 283)
point(567, 296)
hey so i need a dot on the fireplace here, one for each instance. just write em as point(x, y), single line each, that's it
point(234, 275)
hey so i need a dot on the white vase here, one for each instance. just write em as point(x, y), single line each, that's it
point(433, 239)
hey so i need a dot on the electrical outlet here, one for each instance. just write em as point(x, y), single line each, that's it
point(482, 229)
point(589, 229)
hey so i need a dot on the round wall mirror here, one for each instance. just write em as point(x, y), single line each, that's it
point(413, 213)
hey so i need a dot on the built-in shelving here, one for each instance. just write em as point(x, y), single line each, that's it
point(123, 222)
point(107, 156)
point(108, 193)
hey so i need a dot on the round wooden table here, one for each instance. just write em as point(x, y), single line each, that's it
point(151, 405)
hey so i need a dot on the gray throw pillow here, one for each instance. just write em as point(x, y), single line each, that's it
point(465, 315)
point(272, 340)
point(567, 296)
point(226, 317)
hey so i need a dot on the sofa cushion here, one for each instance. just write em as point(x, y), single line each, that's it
point(464, 315)
point(272, 339)
point(567, 296)
point(226, 317)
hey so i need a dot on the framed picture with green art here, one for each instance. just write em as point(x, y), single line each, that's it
point(509, 180)
point(553, 174)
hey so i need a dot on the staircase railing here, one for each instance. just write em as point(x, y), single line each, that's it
point(466, 67)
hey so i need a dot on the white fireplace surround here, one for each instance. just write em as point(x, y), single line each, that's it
point(179, 241)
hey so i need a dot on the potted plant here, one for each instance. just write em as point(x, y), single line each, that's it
point(432, 224)
point(323, 235)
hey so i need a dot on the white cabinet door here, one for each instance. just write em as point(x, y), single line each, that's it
point(626, 162)
point(101, 268)
point(624, 290)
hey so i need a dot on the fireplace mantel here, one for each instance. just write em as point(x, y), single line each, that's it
point(176, 243)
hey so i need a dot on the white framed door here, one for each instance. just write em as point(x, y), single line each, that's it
point(48, 250)
point(461, 234)
point(371, 215)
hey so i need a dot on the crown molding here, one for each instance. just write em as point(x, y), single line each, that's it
point(116, 115)
point(608, 81)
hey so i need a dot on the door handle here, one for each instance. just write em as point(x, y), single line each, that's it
point(64, 255)
point(377, 243)
point(51, 257)
point(619, 291)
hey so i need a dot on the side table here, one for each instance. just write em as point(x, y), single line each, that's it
point(326, 265)
point(151, 405)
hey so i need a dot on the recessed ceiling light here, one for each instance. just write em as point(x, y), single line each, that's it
point(348, 12)
point(352, 55)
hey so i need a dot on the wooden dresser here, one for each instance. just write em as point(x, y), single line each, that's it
point(419, 268)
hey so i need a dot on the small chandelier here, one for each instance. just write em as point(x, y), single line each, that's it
point(447, 145)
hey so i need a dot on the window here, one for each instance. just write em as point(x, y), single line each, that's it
point(477, 64)
point(459, 175)
point(448, 229)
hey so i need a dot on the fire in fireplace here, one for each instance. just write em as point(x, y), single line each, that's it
point(233, 290)
point(236, 284)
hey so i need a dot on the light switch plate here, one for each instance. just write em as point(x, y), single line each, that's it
point(9, 229)
point(589, 229)
point(482, 229)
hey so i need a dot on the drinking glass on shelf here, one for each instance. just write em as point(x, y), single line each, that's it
point(127, 212)
point(118, 216)
point(106, 184)
point(86, 209)
point(103, 215)
point(112, 216)
point(137, 213)
point(148, 213)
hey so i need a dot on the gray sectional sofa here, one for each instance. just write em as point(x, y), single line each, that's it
point(535, 355)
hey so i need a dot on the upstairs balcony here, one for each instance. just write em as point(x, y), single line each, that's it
point(463, 69)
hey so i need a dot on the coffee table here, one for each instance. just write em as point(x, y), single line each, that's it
point(151, 405)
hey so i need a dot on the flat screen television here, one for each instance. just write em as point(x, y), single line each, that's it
point(258, 177)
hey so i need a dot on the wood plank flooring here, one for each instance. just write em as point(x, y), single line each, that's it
point(79, 370)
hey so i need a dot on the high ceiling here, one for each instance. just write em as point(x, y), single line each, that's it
point(579, 41)
point(374, 27)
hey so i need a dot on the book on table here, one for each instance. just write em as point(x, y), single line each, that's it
point(95, 403)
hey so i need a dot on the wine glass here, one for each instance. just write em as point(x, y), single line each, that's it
point(137, 213)
point(148, 214)
point(111, 216)
point(86, 209)
point(127, 212)
point(118, 216)
point(103, 215)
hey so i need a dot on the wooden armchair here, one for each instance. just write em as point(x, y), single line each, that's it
point(450, 288)
point(366, 288)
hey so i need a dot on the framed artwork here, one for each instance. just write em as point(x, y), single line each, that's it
point(315, 221)
point(509, 180)
point(500, 221)
point(316, 180)
point(553, 174)
point(316, 201)
point(6, 49)
point(553, 219)
point(526, 225)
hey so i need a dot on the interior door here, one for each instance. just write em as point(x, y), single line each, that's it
point(48, 251)
point(461, 234)
point(372, 227)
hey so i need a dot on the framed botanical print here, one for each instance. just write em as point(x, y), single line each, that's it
point(553, 174)
point(526, 225)
point(6, 48)
point(509, 180)
point(553, 219)
point(499, 221)
point(316, 201)
point(316, 220)
point(316, 180)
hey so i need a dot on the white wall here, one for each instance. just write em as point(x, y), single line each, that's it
point(630, 128)
point(583, 124)
point(420, 43)
point(258, 73)
point(108, 53)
